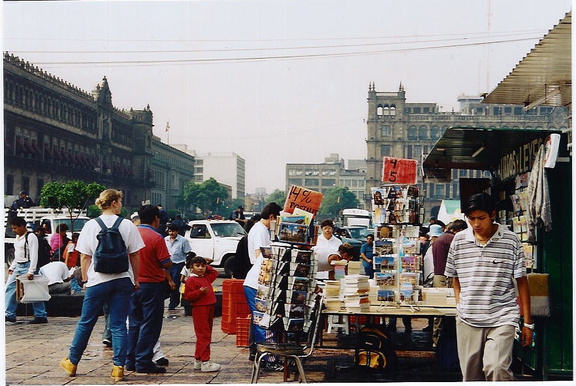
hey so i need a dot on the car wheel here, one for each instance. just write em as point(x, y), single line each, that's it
point(9, 256)
point(229, 266)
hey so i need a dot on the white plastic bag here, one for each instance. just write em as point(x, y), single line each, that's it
point(34, 290)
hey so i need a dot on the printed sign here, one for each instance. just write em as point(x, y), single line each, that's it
point(399, 171)
point(305, 199)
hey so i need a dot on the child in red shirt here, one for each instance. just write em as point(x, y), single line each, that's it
point(198, 291)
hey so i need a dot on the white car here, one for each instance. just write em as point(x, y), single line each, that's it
point(216, 240)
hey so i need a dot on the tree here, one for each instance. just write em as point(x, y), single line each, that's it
point(337, 199)
point(72, 195)
point(209, 196)
point(278, 196)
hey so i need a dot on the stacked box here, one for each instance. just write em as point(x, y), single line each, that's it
point(243, 332)
point(234, 304)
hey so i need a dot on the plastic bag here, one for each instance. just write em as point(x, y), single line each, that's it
point(34, 290)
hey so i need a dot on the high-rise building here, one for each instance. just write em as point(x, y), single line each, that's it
point(226, 168)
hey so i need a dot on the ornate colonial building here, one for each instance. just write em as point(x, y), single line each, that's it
point(409, 130)
point(53, 131)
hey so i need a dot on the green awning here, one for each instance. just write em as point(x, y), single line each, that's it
point(475, 148)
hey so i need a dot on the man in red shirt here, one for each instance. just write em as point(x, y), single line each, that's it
point(147, 303)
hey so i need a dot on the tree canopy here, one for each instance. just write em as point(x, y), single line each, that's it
point(278, 196)
point(337, 199)
point(210, 196)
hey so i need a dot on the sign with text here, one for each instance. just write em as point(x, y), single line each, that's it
point(305, 199)
point(399, 171)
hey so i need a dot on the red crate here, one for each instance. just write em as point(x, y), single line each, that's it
point(233, 286)
point(243, 332)
point(228, 327)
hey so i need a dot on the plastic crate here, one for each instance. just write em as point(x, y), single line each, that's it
point(228, 327)
point(243, 332)
point(233, 286)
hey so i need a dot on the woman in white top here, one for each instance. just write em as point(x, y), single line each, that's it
point(326, 245)
point(113, 289)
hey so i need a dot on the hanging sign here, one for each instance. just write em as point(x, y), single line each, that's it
point(399, 171)
point(305, 199)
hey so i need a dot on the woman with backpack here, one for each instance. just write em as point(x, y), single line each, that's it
point(113, 287)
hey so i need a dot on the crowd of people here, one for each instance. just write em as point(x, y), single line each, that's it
point(163, 266)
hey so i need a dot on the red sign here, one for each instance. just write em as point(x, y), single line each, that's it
point(400, 171)
point(305, 199)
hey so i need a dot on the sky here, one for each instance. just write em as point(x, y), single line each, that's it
point(276, 81)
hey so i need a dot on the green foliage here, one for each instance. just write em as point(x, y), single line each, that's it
point(335, 200)
point(210, 196)
point(93, 211)
point(278, 196)
point(71, 195)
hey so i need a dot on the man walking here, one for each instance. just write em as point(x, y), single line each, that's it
point(178, 247)
point(483, 261)
point(25, 261)
point(147, 303)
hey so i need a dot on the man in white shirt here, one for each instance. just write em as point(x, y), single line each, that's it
point(259, 236)
point(25, 261)
point(58, 276)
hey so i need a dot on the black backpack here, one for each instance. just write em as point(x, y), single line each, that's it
point(375, 350)
point(241, 263)
point(111, 255)
point(43, 251)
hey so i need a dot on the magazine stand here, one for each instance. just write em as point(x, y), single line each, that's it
point(396, 215)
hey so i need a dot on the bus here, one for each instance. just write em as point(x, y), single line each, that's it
point(356, 217)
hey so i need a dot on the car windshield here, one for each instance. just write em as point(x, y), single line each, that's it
point(228, 229)
point(355, 233)
point(78, 224)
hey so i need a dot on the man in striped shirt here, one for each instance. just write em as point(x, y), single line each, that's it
point(483, 261)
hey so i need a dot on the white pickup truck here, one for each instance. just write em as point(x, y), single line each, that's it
point(216, 240)
point(47, 217)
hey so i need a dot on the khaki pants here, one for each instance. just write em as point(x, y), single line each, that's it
point(485, 353)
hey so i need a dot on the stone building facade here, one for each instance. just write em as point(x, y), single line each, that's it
point(399, 129)
point(54, 131)
point(322, 177)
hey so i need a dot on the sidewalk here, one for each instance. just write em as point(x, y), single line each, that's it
point(33, 353)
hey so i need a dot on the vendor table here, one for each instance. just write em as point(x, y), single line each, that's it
point(391, 311)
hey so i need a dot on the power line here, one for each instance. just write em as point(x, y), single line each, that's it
point(272, 57)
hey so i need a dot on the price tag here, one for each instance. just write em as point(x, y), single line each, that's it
point(400, 171)
point(305, 199)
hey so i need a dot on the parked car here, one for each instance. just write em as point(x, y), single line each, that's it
point(216, 240)
point(357, 233)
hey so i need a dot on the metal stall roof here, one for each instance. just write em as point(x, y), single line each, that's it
point(544, 76)
point(475, 148)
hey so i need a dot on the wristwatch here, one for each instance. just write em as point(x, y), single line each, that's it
point(529, 325)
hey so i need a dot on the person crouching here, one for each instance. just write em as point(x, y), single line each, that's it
point(198, 291)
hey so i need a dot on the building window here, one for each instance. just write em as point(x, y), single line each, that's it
point(329, 182)
point(426, 110)
point(440, 191)
point(385, 150)
point(423, 132)
point(386, 131)
point(295, 181)
point(412, 132)
point(417, 110)
point(496, 110)
point(311, 182)
point(507, 110)
point(379, 110)
point(9, 187)
point(434, 132)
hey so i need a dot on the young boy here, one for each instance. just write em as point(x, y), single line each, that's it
point(198, 291)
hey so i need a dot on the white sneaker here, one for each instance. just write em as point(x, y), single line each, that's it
point(208, 367)
point(197, 364)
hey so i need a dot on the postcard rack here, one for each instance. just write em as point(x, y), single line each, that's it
point(397, 261)
point(285, 295)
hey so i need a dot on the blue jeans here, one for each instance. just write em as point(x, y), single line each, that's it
point(106, 334)
point(368, 269)
point(116, 293)
point(175, 270)
point(145, 324)
point(258, 333)
point(11, 304)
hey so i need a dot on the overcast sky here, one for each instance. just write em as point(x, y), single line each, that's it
point(276, 81)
